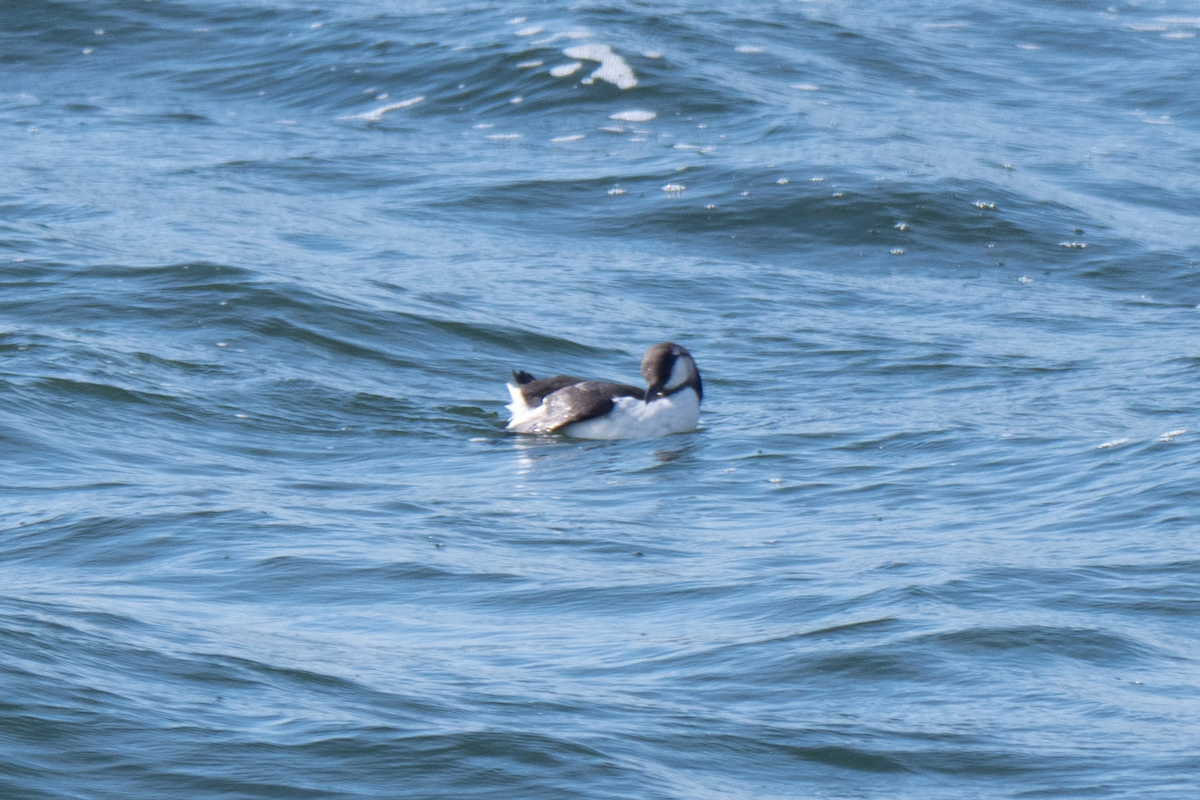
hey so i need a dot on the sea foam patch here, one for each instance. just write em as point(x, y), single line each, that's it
point(612, 69)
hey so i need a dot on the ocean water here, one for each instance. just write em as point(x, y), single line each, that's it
point(265, 268)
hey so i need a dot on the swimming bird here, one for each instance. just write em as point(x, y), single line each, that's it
point(670, 403)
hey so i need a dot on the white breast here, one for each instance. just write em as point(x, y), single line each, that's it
point(634, 419)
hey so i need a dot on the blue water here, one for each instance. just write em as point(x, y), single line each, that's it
point(264, 270)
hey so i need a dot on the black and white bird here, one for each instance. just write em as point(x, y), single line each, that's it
point(670, 403)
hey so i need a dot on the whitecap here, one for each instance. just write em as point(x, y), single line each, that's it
point(377, 114)
point(806, 87)
point(563, 70)
point(674, 188)
point(575, 137)
point(633, 116)
point(529, 64)
point(532, 31)
point(504, 136)
point(750, 48)
point(612, 69)
point(1112, 443)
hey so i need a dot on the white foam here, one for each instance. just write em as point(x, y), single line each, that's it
point(575, 137)
point(377, 114)
point(633, 116)
point(672, 188)
point(1172, 435)
point(1112, 443)
point(651, 54)
point(564, 70)
point(616, 190)
point(613, 129)
point(504, 136)
point(806, 87)
point(531, 31)
point(529, 64)
point(612, 69)
point(750, 48)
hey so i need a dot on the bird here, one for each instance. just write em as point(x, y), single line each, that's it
point(585, 409)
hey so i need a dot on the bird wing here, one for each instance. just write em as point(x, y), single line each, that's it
point(579, 402)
